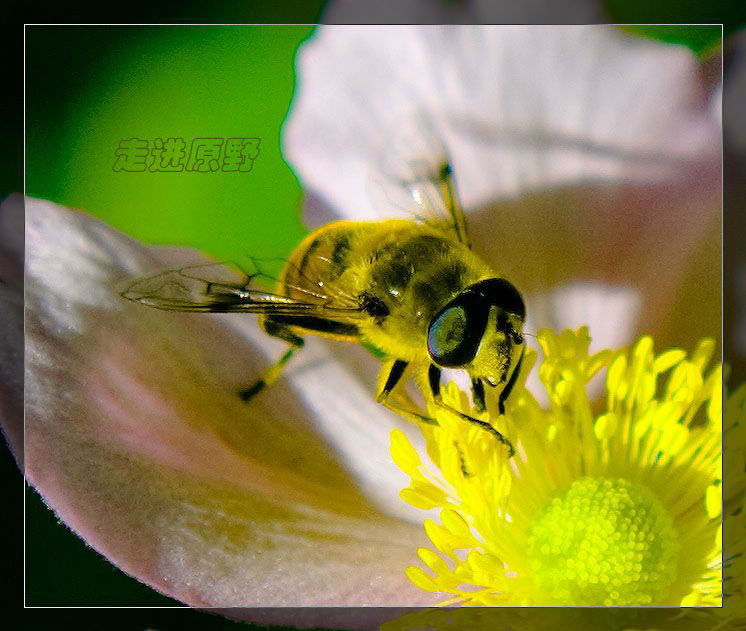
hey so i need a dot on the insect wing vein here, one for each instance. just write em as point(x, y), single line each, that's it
point(186, 290)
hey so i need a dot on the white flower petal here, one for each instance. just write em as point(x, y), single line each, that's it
point(137, 440)
point(582, 154)
point(520, 108)
point(609, 312)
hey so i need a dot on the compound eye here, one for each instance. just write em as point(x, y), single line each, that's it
point(506, 296)
point(502, 294)
point(454, 335)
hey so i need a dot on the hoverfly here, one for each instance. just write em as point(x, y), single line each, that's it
point(412, 289)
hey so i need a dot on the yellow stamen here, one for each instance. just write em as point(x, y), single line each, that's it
point(615, 507)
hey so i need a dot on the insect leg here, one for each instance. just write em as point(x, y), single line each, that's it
point(433, 378)
point(509, 386)
point(270, 375)
point(393, 398)
point(477, 392)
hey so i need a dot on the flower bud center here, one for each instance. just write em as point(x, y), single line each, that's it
point(604, 542)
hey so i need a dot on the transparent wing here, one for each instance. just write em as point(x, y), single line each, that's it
point(314, 283)
point(222, 288)
point(414, 174)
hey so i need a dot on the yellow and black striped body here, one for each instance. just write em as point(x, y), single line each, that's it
point(399, 273)
point(414, 290)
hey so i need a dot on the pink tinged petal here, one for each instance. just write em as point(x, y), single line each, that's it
point(339, 397)
point(137, 440)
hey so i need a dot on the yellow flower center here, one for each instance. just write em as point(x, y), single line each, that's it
point(603, 542)
point(609, 509)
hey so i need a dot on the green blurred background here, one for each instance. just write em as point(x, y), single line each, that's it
point(87, 88)
point(161, 81)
